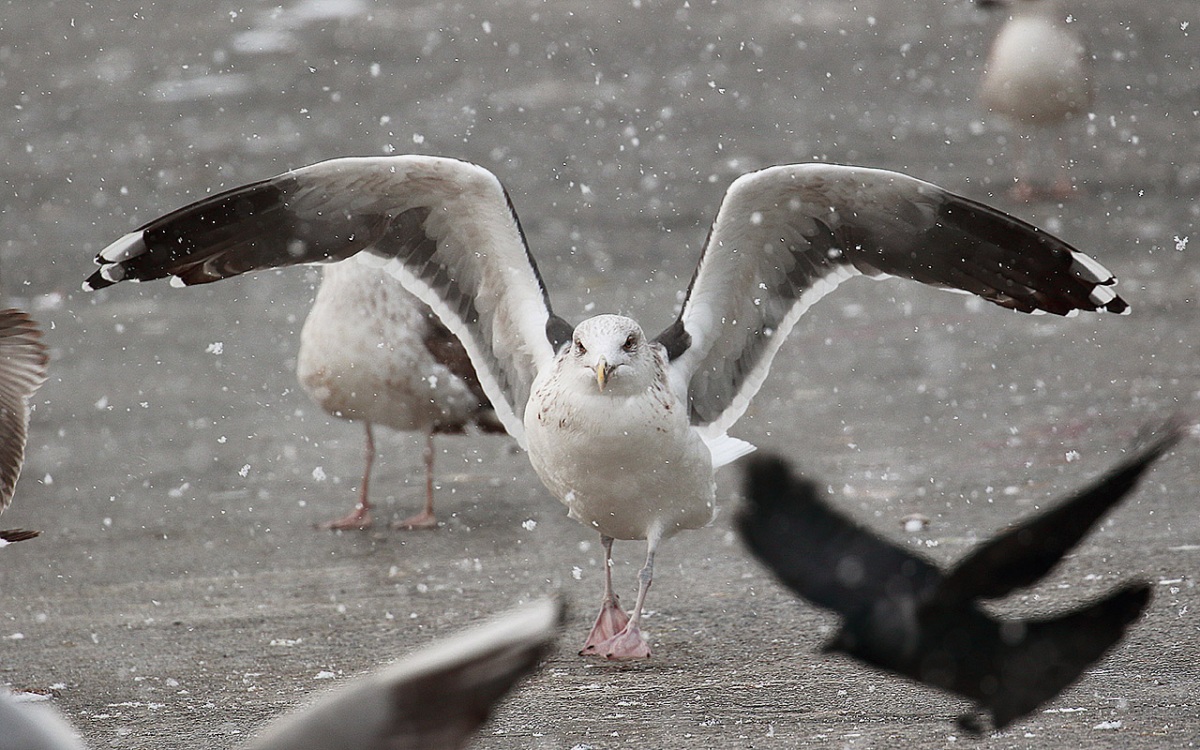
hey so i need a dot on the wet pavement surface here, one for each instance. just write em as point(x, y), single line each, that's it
point(179, 595)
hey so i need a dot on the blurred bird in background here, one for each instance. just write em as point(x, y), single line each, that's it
point(372, 352)
point(1038, 77)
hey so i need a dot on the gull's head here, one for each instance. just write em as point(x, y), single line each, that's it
point(612, 353)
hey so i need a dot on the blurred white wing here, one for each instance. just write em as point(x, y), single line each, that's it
point(434, 699)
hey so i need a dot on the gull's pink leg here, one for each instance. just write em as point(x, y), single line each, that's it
point(612, 619)
point(360, 517)
point(1064, 186)
point(425, 519)
point(1022, 189)
point(630, 643)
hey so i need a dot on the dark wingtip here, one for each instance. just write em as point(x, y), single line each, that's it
point(1117, 305)
point(18, 535)
point(1153, 441)
point(95, 282)
point(1136, 597)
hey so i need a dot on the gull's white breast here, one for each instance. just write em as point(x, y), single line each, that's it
point(623, 465)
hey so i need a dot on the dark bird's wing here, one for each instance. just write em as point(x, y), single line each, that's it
point(444, 227)
point(786, 236)
point(1054, 652)
point(434, 699)
point(1025, 553)
point(23, 360)
point(817, 552)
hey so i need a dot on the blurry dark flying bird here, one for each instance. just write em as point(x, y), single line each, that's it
point(901, 614)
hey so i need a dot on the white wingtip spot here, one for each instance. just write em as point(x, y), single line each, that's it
point(177, 282)
point(1102, 295)
point(113, 273)
point(123, 249)
point(1088, 268)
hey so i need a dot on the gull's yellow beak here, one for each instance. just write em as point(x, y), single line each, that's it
point(601, 372)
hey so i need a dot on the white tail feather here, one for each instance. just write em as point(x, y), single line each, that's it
point(727, 449)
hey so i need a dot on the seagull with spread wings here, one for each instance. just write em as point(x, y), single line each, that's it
point(624, 428)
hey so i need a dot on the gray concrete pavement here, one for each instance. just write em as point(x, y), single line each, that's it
point(179, 595)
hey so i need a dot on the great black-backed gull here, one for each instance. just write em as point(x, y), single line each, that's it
point(434, 699)
point(23, 358)
point(1038, 76)
point(624, 429)
point(904, 615)
point(371, 351)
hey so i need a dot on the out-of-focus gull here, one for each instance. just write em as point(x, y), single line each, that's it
point(624, 429)
point(433, 699)
point(23, 359)
point(372, 352)
point(901, 614)
point(1037, 76)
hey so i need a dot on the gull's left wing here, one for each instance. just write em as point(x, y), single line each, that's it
point(786, 236)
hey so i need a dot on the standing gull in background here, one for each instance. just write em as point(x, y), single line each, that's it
point(371, 351)
point(624, 429)
point(23, 360)
point(1038, 76)
point(904, 615)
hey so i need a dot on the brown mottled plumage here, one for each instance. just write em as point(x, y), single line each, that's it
point(23, 360)
point(372, 352)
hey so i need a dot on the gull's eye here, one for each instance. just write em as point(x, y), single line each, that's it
point(580, 349)
point(629, 343)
